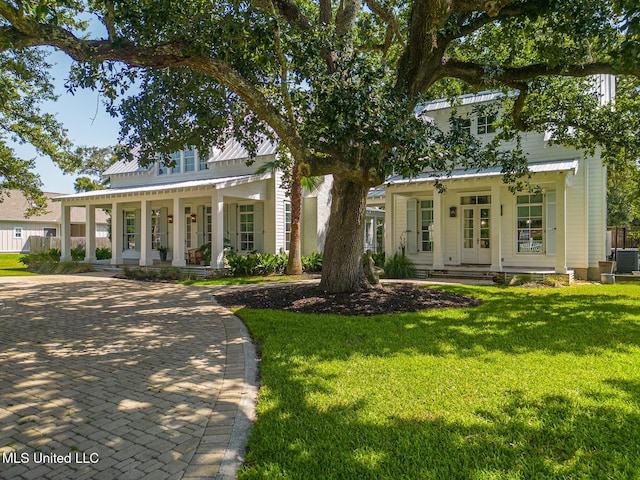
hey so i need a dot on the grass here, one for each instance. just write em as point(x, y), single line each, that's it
point(10, 266)
point(246, 280)
point(534, 383)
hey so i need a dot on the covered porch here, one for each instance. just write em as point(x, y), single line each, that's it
point(168, 224)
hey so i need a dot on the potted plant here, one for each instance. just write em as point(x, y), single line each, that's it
point(163, 252)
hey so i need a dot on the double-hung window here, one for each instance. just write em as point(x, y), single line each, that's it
point(247, 228)
point(287, 225)
point(530, 223)
point(190, 160)
point(426, 225)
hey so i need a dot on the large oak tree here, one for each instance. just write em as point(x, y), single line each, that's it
point(338, 82)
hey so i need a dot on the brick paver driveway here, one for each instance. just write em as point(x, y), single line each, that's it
point(111, 379)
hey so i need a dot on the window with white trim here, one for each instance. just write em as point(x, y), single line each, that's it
point(426, 225)
point(50, 232)
point(209, 221)
point(190, 160)
point(130, 230)
point(287, 224)
point(530, 223)
point(17, 232)
point(203, 161)
point(177, 158)
point(247, 227)
point(466, 125)
point(155, 229)
point(485, 124)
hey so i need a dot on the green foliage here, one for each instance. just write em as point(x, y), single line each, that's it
point(399, 266)
point(78, 254)
point(41, 262)
point(530, 384)
point(206, 253)
point(255, 264)
point(103, 253)
point(312, 263)
point(378, 259)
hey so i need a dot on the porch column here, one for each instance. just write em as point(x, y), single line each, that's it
point(217, 230)
point(389, 224)
point(90, 234)
point(117, 230)
point(145, 233)
point(178, 233)
point(438, 233)
point(496, 228)
point(65, 233)
point(561, 224)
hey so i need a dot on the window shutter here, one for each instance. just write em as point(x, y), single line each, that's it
point(258, 226)
point(164, 227)
point(412, 226)
point(201, 225)
point(231, 211)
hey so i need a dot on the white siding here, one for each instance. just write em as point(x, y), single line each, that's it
point(8, 242)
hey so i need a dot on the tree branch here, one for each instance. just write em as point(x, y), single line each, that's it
point(172, 54)
point(287, 9)
point(393, 25)
point(478, 75)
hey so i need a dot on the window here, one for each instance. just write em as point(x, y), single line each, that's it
point(162, 169)
point(203, 161)
point(177, 158)
point(426, 225)
point(466, 126)
point(247, 223)
point(208, 236)
point(130, 230)
point(17, 232)
point(530, 232)
point(287, 224)
point(190, 160)
point(155, 229)
point(50, 232)
point(485, 124)
point(188, 227)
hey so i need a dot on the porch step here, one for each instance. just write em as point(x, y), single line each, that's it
point(462, 275)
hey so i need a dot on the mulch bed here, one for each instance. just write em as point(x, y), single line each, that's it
point(309, 298)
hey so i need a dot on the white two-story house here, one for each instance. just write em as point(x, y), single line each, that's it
point(206, 198)
point(478, 223)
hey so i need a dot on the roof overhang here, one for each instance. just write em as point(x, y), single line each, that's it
point(538, 167)
point(217, 183)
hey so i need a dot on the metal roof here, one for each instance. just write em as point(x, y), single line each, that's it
point(538, 167)
point(14, 204)
point(233, 150)
point(223, 182)
point(469, 99)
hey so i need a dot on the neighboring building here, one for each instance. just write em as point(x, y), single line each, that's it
point(478, 222)
point(213, 198)
point(17, 233)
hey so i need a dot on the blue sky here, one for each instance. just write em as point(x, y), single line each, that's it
point(85, 119)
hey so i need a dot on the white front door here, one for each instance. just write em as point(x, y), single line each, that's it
point(476, 234)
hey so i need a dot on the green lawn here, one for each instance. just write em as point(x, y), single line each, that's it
point(10, 266)
point(534, 383)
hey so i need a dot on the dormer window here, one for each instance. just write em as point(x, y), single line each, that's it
point(177, 158)
point(190, 160)
point(485, 124)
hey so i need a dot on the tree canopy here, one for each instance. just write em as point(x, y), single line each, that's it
point(337, 82)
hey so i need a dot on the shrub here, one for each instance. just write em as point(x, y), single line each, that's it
point(206, 253)
point(103, 253)
point(41, 262)
point(312, 262)
point(77, 254)
point(399, 266)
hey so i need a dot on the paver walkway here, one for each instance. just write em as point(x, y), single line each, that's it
point(103, 378)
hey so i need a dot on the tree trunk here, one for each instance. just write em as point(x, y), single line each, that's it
point(294, 264)
point(342, 261)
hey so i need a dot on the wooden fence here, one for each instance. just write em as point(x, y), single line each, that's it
point(42, 244)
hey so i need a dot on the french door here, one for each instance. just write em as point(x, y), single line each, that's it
point(476, 234)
